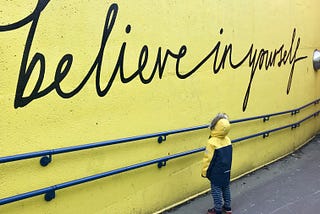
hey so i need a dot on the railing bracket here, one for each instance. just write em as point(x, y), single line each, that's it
point(45, 160)
point(266, 118)
point(296, 125)
point(161, 164)
point(162, 138)
point(294, 112)
point(50, 195)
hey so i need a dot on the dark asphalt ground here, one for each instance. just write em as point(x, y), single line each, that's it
point(288, 186)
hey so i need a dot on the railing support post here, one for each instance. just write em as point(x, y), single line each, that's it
point(45, 160)
point(50, 195)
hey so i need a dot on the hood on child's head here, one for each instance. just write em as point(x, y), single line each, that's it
point(221, 129)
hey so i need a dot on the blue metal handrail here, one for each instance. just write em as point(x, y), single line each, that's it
point(50, 191)
point(47, 154)
point(266, 133)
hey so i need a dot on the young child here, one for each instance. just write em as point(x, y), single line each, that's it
point(217, 164)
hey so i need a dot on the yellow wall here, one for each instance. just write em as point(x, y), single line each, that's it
point(47, 103)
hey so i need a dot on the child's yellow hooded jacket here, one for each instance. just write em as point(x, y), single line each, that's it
point(218, 155)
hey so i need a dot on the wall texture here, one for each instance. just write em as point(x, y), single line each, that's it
point(76, 72)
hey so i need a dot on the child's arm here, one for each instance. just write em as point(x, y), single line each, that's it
point(208, 154)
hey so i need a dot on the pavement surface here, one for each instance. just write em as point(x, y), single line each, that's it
point(288, 186)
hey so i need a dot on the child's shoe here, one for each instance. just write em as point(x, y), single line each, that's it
point(213, 211)
point(227, 210)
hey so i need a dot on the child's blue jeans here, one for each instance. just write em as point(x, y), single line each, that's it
point(220, 195)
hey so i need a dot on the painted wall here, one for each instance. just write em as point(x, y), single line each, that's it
point(75, 72)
